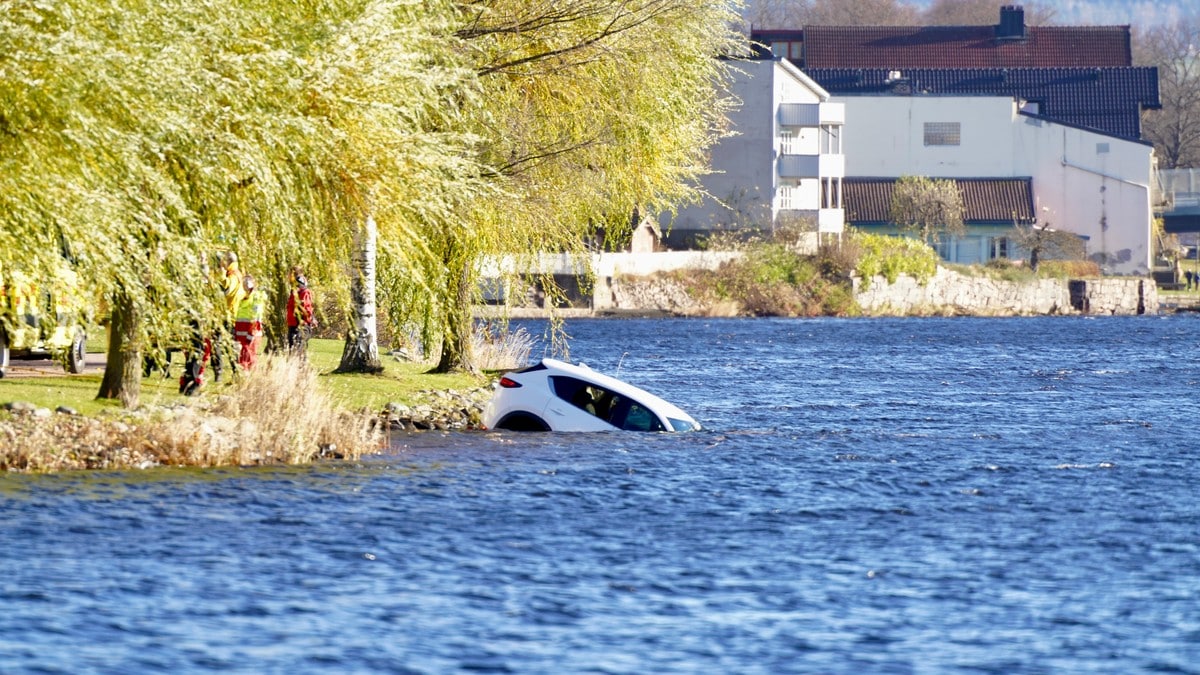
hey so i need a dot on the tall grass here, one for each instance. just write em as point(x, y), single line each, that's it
point(501, 349)
point(275, 414)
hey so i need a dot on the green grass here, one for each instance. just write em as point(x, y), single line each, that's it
point(400, 381)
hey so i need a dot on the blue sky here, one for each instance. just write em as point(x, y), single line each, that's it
point(1138, 13)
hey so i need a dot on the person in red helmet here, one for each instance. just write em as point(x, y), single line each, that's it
point(300, 317)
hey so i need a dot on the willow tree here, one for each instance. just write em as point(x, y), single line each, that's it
point(81, 114)
point(150, 134)
point(592, 109)
point(927, 208)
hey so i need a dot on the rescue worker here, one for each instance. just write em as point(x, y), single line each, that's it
point(300, 317)
point(230, 282)
point(247, 324)
point(193, 368)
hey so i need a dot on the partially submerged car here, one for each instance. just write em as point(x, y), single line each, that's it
point(553, 395)
point(39, 321)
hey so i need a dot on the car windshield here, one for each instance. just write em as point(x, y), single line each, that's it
point(682, 425)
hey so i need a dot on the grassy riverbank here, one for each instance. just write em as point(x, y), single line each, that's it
point(282, 413)
point(401, 381)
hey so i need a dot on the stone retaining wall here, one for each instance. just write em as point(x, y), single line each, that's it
point(952, 293)
point(948, 293)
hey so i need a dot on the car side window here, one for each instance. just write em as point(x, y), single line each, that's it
point(613, 408)
point(580, 394)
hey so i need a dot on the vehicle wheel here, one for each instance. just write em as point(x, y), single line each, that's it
point(77, 357)
point(3, 352)
point(522, 422)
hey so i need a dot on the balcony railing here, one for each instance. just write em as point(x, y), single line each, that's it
point(811, 114)
point(811, 166)
point(829, 221)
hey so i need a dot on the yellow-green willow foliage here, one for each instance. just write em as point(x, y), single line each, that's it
point(592, 110)
point(148, 134)
point(141, 136)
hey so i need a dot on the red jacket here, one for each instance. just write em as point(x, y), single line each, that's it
point(300, 308)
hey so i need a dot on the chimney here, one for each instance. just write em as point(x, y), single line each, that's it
point(1012, 23)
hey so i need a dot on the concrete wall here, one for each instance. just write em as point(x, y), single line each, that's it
point(1084, 182)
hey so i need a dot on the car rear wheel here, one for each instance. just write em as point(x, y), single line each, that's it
point(77, 357)
point(522, 421)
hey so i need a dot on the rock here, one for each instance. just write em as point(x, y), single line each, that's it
point(65, 410)
point(20, 407)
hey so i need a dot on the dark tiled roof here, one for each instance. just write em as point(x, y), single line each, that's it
point(1106, 99)
point(986, 200)
point(963, 47)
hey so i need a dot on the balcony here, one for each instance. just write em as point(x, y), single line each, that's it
point(829, 221)
point(811, 166)
point(811, 114)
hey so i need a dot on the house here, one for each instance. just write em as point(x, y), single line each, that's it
point(783, 165)
point(1055, 108)
point(1008, 44)
point(992, 207)
point(1090, 183)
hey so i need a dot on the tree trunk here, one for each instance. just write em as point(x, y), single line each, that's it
point(457, 354)
point(123, 371)
point(361, 353)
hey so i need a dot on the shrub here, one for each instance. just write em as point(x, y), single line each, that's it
point(497, 348)
point(889, 257)
point(771, 279)
point(276, 414)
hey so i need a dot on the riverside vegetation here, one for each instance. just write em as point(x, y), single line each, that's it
point(293, 413)
point(774, 279)
point(283, 412)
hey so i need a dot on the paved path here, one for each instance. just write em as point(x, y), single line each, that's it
point(51, 368)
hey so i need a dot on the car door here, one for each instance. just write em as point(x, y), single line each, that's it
point(570, 410)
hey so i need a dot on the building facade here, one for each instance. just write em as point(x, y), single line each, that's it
point(782, 166)
point(1092, 184)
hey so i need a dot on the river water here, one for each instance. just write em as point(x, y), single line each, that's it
point(884, 496)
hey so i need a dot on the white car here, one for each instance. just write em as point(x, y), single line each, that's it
point(557, 396)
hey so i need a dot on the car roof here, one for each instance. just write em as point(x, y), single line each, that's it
point(583, 372)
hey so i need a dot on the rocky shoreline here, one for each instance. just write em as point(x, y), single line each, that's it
point(438, 411)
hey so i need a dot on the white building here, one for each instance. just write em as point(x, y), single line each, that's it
point(1085, 182)
point(783, 165)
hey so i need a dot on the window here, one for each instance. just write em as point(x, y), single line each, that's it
point(831, 139)
point(788, 142)
point(945, 248)
point(609, 406)
point(943, 133)
point(999, 247)
point(831, 192)
point(787, 196)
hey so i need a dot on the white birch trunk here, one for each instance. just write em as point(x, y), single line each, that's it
point(361, 353)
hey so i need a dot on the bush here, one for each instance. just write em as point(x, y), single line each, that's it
point(889, 257)
point(275, 414)
point(771, 279)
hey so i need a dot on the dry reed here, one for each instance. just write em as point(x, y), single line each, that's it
point(501, 349)
point(276, 414)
